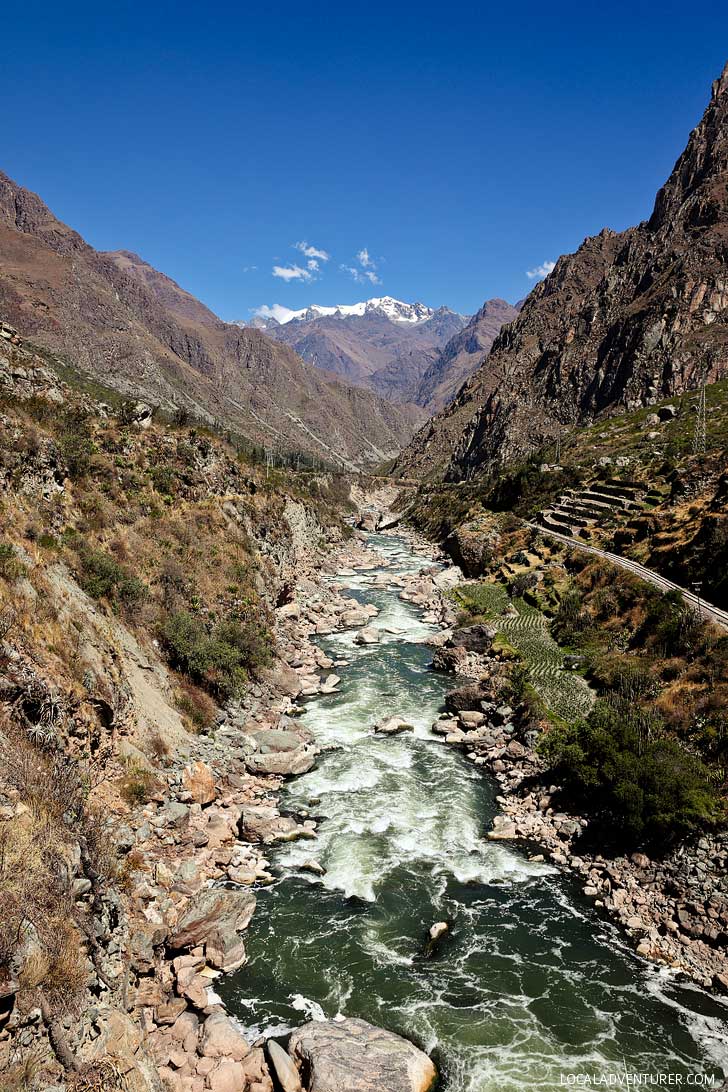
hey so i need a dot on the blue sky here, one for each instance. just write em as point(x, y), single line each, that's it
point(452, 148)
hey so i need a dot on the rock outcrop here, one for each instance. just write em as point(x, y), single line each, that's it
point(216, 917)
point(631, 318)
point(354, 1056)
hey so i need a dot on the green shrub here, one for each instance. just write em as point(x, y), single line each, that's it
point(671, 627)
point(197, 706)
point(619, 768)
point(102, 577)
point(137, 785)
point(626, 675)
point(75, 442)
point(220, 658)
point(11, 567)
point(164, 479)
point(572, 620)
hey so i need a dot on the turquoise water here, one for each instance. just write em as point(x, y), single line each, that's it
point(530, 987)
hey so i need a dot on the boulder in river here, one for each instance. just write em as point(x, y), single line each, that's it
point(435, 932)
point(392, 726)
point(367, 636)
point(354, 1056)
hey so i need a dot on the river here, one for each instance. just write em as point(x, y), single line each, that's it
point(531, 987)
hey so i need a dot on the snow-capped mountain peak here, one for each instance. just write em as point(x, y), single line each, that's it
point(387, 306)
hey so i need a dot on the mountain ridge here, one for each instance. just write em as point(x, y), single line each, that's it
point(381, 344)
point(462, 354)
point(629, 318)
point(132, 327)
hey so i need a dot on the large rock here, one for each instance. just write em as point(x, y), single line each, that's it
point(221, 1039)
point(393, 726)
point(354, 1056)
point(469, 696)
point(199, 781)
point(449, 578)
point(282, 678)
point(478, 638)
point(353, 619)
point(216, 917)
point(121, 1042)
point(368, 521)
point(283, 763)
point(285, 1069)
point(263, 823)
point(274, 740)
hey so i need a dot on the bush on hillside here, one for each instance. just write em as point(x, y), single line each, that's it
point(75, 443)
point(671, 627)
point(572, 619)
point(618, 767)
point(102, 577)
point(220, 658)
point(197, 706)
point(11, 567)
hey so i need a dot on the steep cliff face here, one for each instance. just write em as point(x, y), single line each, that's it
point(136, 330)
point(463, 353)
point(628, 319)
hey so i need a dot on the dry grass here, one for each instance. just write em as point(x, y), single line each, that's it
point(137, 785)
point(23, 1075)
point(197, 707)
point(37, 907)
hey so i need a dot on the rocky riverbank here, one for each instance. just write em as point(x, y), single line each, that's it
point(193, 857)
point(196, 853)
point(674, 910)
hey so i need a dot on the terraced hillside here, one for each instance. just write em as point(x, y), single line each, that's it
point(646, 485)
point(524, 629)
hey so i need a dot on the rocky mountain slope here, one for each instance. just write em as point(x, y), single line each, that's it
point(630, 318)
point(158, 597)
point(381, 344)
point(134, 329)
point(463, 353)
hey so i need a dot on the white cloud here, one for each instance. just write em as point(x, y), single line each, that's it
point(366, 270)
point(540, 271)
point(277, 311)
point(361, 275)
point(313, 265)
point(291, 273)
point(249, 268)
point(312, 251)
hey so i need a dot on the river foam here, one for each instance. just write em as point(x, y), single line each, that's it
point(529, 986)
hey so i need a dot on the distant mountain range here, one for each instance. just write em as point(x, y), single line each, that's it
point(405, 352)
point(631, 318)
point(462, 354)
point(136, 330)
point(395, 310)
